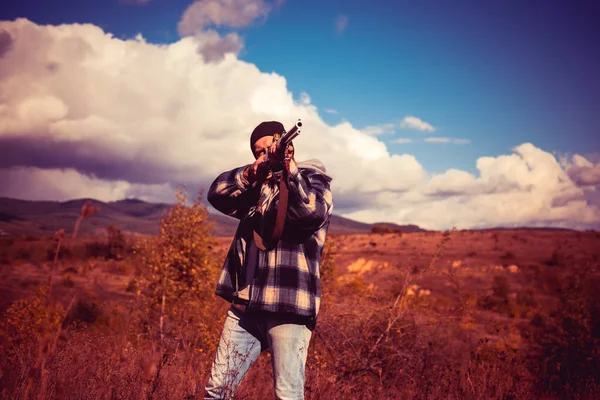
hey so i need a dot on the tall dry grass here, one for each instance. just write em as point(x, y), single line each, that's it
point(156, 339)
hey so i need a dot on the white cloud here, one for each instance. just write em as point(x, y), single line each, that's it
point(202, 15)
point(410, 122)
point(583, 172)
point(341, 23)
point(84, 114)
point(526, 188)
point(148, 114)
point(581, 162)
point(213, 47)
point(446, 140)
point(68, 184)
point(381, 129)
point(221, 13)
point(331, 111)
point(402, 141)
point(304, 98)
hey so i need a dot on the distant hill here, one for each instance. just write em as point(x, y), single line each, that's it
point(132, 216)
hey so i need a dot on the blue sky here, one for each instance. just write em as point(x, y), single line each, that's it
point(441, 113)
point(498, 73)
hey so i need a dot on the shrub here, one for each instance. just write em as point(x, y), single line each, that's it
point(86, 310)
point(132, 286)
point(384, 229)
point(179, 262)
point(116, 243)
point(178, 269)
point(68, 281)
point(96, 249)
point(29, 319)
point(508, 256)
point(62, 253)
point(498, 301)
point(24, 253)
point(566, 343)
point(526, 298)
point(327, 269)
point(6, 241)
point(501, 287)
point(70, 270)
point(557, 258)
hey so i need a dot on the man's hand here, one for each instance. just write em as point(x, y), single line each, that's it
point(284, 159)
point(289, 162)
point(258, 171)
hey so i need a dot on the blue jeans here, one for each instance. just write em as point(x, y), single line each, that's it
point(243, 338)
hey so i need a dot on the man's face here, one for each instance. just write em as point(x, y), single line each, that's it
point(261, 146)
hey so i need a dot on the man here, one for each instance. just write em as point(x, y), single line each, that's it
point(273, 284)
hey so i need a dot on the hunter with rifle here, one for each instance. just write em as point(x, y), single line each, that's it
point(271, 271)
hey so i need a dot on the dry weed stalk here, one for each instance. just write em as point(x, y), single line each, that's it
point(156, 380)
point(87, 210)
point(46, 348)
point(48, 343)
point(58, 238)
point(396, 317)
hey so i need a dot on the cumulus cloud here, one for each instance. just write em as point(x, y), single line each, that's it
point(341, 23)
point(305, 98)
point(526, 188)
point(381, 129)
point(126, 110)
point(221, 13)
point(203, 15)
point(213, 47)
point(84, 114)
point(5, 42)
point(68, 184)
point(402, 140)
point(583, 172)
point(410, 122)
point(446, 140)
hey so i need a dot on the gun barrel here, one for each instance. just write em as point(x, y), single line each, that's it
point(291, 134)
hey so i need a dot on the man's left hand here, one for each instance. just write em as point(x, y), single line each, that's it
point(288, 156)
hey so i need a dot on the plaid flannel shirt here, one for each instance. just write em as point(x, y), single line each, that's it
point(286, 278)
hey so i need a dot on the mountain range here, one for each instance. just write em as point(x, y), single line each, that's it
point(132, 216)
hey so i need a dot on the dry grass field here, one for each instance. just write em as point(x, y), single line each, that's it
point(494, 314)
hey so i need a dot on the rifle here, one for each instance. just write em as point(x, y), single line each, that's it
point(283, 141)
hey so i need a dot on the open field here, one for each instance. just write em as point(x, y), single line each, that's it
point(494, 314)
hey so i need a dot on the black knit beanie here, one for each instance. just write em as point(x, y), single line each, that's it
point(267, 128)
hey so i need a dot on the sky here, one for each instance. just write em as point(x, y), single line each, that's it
point(439, 113)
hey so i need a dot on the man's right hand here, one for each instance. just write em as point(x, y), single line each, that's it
point(258, 171)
